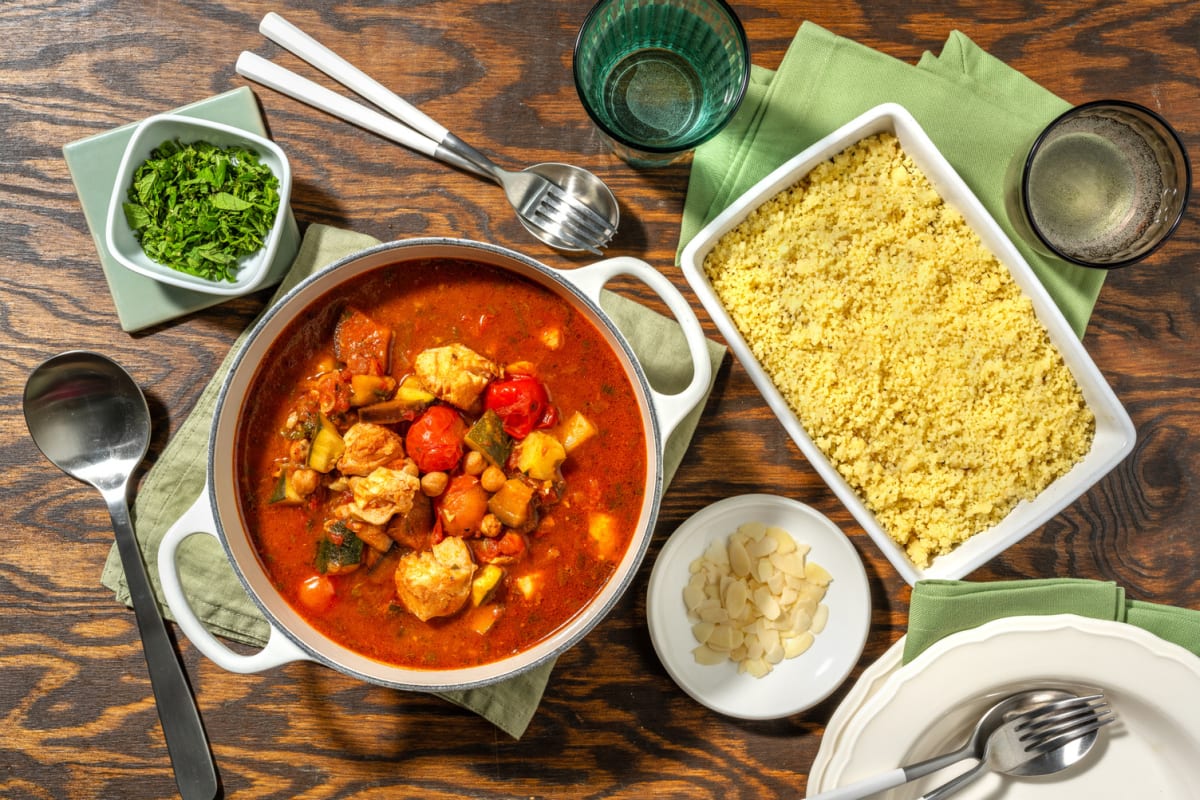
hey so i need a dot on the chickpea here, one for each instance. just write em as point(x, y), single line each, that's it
point(474, 463)
point(492, 479)
point(434, 483)
point(490, 526)
point(298, 451)
point(305, 481)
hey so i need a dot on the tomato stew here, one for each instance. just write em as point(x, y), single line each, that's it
point(440, 464)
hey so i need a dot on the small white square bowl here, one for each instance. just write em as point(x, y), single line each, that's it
point(255, 270)
point(1115, 433)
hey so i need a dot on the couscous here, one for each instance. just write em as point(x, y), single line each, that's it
point(905, 348)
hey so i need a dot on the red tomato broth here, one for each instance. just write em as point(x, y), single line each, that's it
point(430, 303)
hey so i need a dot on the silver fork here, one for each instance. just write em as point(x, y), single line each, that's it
point(1040, 741)
point(565, 206)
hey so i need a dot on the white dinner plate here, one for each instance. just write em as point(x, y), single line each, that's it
point(868, 684)
point(797, 683)
point(925, 707)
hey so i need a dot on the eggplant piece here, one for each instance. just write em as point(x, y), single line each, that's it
point(361, 344)
point(368, 389)
point(513, 505)
point(409, 400)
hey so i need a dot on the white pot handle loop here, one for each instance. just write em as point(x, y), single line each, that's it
point(278, 650)
point(670, 409)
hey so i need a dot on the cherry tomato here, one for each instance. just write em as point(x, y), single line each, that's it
point(522, 403)
point(510, 545)
point(333, 391)
point(435, 439)
point(317, 593)
point(462, 506)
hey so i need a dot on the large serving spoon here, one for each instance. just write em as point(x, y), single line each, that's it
point(975, 747)
point(565, 206)
point(91, 420)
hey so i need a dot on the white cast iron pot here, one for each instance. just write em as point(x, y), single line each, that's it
point(216, 512)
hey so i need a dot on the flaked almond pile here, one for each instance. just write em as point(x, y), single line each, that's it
point(755, 598)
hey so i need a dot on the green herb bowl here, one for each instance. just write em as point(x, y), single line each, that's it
point(256, 270)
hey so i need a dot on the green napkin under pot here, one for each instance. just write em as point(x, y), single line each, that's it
point(216, 594)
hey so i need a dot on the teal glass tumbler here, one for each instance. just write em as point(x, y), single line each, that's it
point(660, 77)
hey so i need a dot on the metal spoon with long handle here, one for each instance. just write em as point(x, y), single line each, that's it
point(1063, 736)
point(91, 420)
point(974, 747)
point(563, 205)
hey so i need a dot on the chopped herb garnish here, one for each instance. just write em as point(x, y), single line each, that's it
point(198, 208)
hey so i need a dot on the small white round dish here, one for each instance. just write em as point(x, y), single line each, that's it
point(794, 684)
point(254, 270)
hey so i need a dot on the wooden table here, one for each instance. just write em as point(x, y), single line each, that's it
point(77, 719)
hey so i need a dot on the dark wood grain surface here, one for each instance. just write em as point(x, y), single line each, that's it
point(77, 718)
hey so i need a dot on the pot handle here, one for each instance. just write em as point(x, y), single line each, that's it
point(278, 649)
point(669, 408)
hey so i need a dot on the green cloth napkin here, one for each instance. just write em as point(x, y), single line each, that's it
point(216, 595)
point(979, 112)
point(941, 608)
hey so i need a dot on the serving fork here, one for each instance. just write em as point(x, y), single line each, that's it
point(565, 206)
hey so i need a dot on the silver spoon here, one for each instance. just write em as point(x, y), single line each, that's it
point(91, 420)
point(565, 206)
point(974, 747)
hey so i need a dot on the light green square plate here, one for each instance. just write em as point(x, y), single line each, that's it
point(93, 162)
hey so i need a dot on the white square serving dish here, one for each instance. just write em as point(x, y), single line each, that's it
point(256, 270)
point(1115, 433)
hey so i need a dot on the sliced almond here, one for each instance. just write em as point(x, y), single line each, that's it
point(755, 599)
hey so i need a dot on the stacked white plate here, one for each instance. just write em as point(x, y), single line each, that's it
point(897, 714)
